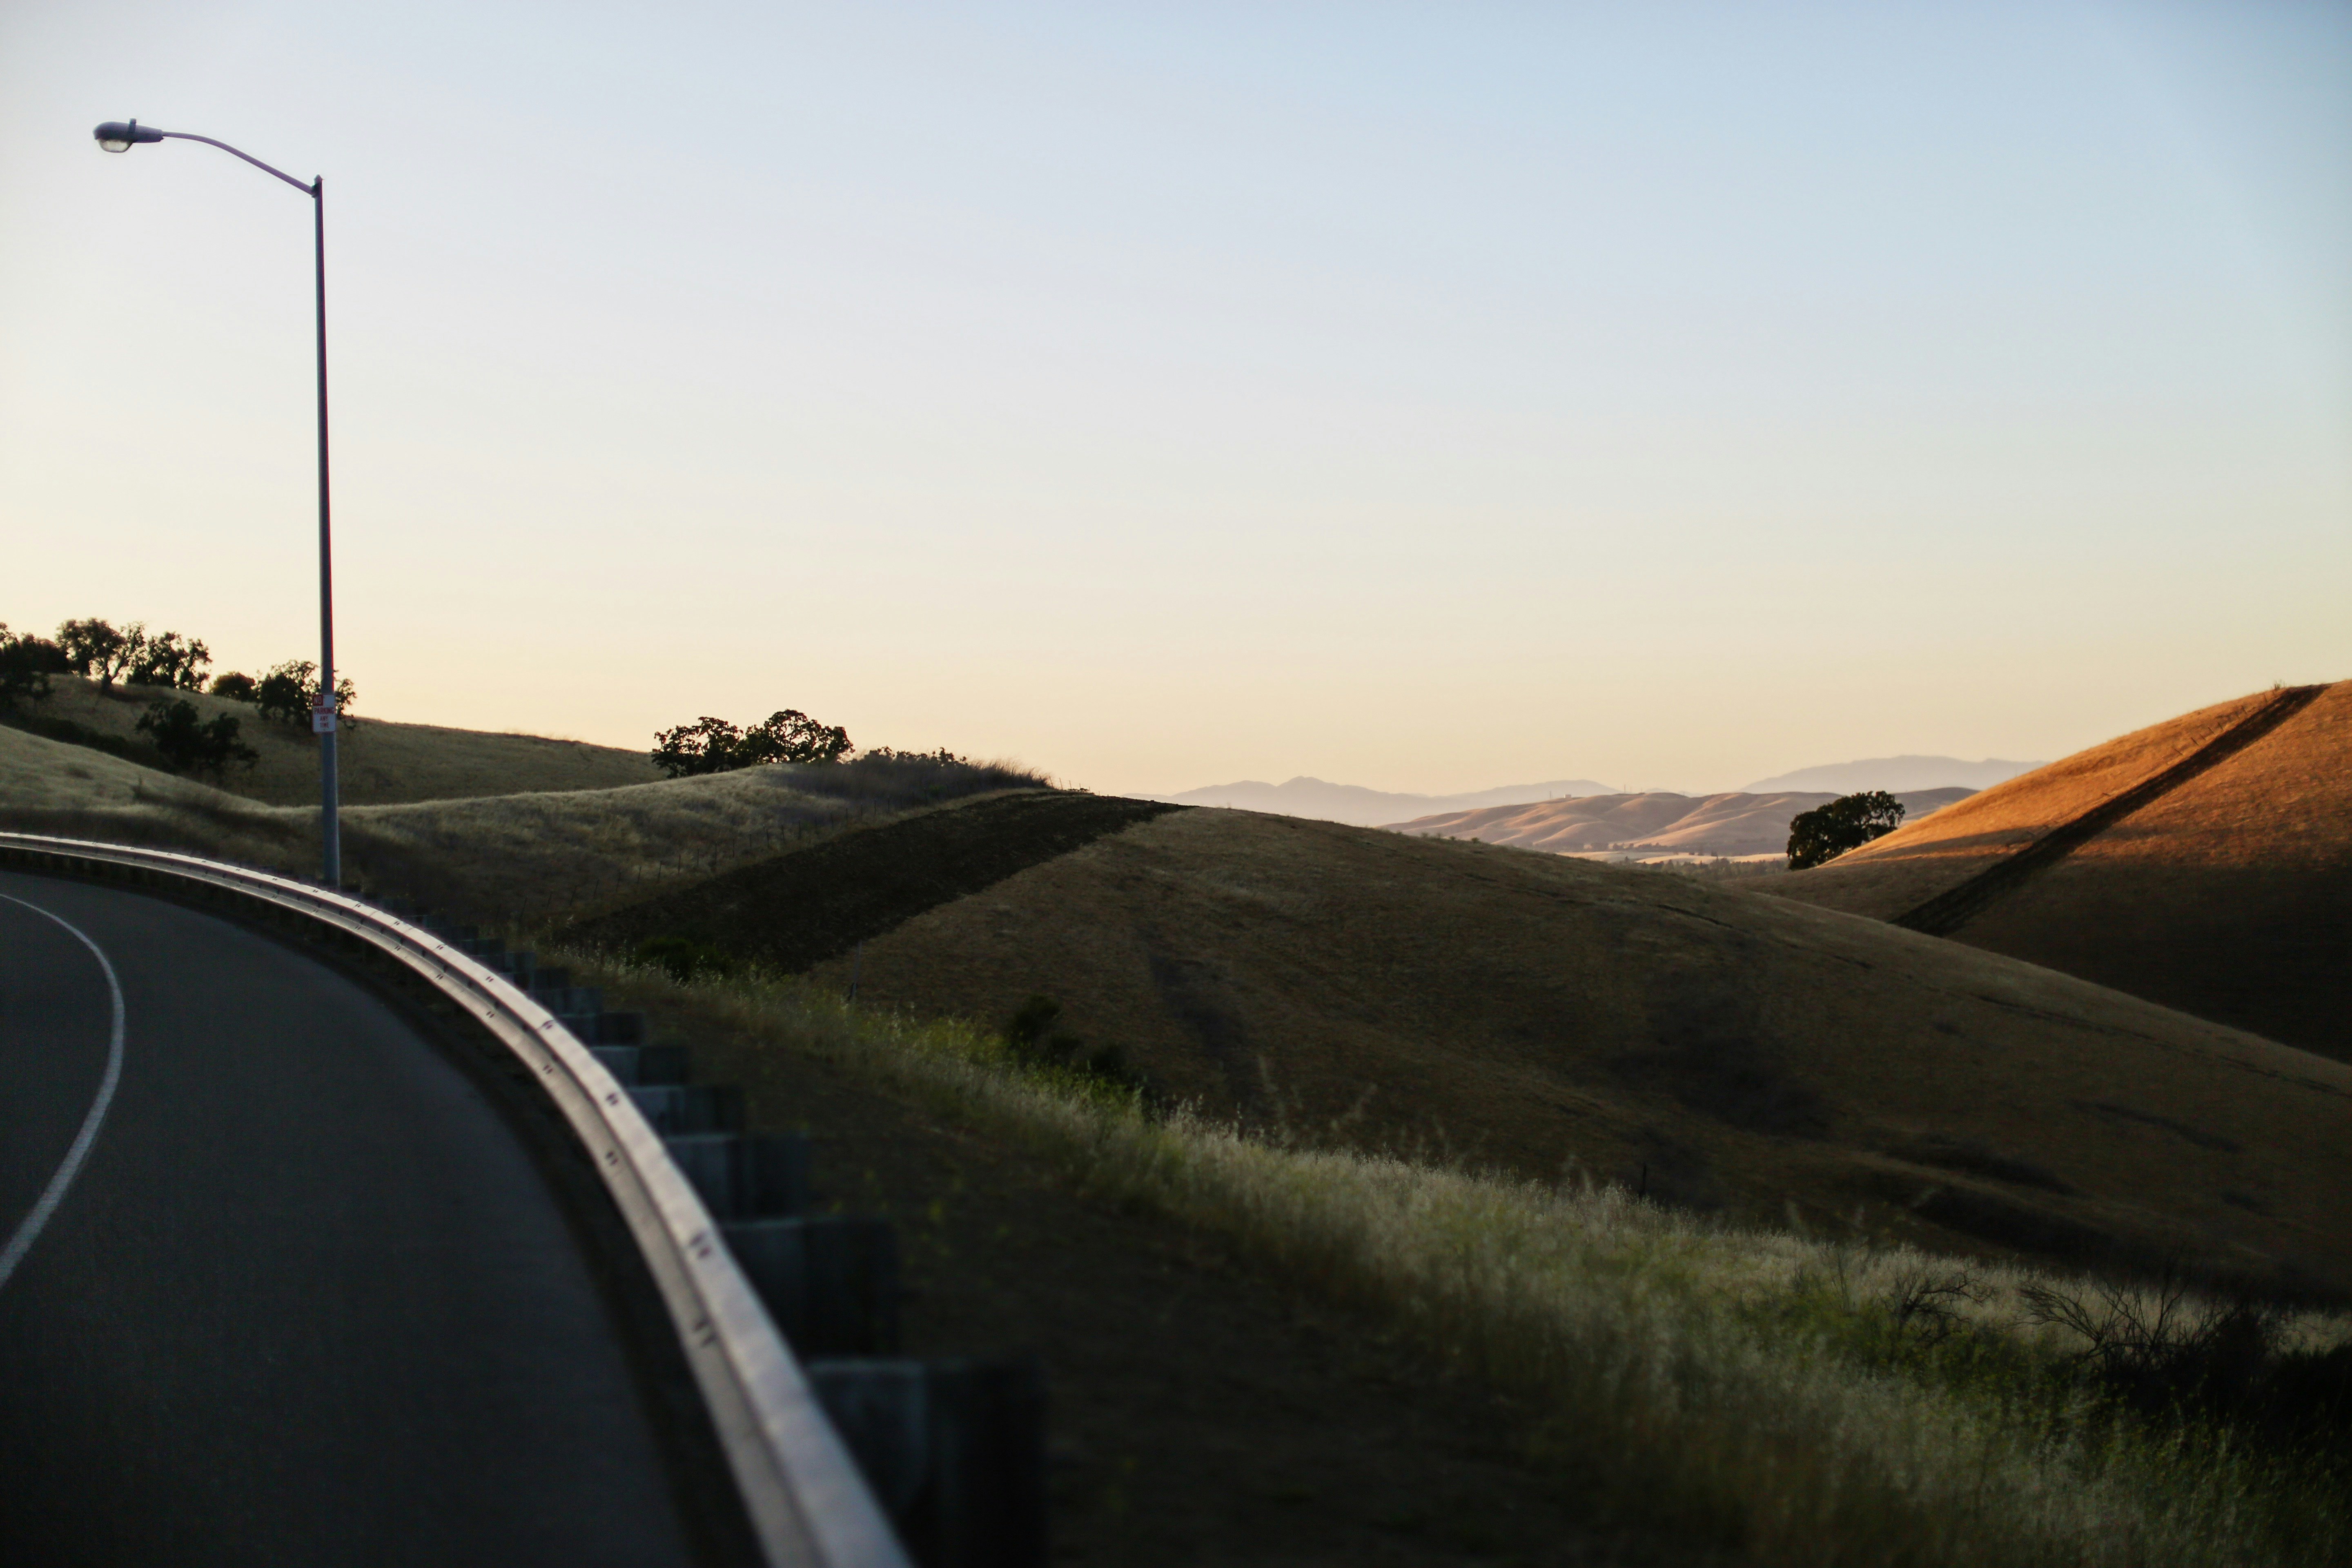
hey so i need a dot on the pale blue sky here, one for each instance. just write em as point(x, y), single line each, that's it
point(1425, 396)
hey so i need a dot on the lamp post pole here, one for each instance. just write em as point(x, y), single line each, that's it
point(325, 719)
point(120, 136)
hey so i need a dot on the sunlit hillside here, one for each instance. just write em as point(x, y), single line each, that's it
point(2228, 894)
point(1653, 825)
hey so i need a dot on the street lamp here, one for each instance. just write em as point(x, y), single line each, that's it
point(120, 136)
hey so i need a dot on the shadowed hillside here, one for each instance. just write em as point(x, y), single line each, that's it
point(807, 904)
point(1547, 1015)
point(1659, 823)
point(539, 857)
point(2226, 892)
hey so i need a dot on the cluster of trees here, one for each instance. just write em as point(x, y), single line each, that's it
point(132, 655)
point(1846, 823)
point(25, 665)
point(190, 743)
point(288, 692)
point(715, 746)
point(102, 652)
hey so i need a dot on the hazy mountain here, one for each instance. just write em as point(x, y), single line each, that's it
point(1370, 807)
point(1894, 775)
point(1657, 824)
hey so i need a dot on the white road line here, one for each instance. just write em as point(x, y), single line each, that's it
point(54, 1193)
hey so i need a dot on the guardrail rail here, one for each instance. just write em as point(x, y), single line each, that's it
point(807, 1500)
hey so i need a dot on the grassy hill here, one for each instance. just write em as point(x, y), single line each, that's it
point(2228, 894)
point(1545, 1015)
point(41, 775)
point(1653, 825)
point(535, 855)
point(381, 762)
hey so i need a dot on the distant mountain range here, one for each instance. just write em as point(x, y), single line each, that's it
point(1894, 775)
point(1656, 824)
point(1305, 797)
point(1370, 807)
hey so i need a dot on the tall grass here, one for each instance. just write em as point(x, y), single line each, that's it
point(1758, 1393)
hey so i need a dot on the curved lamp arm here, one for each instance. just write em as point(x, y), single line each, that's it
point(119, 136)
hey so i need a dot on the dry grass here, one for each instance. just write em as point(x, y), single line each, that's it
point(1924, 857)
point(492, 858)
point(2227, 897)
point(1650, 824)
point(1751, 1392)
point(40, 775)
point(382, 762)
point(1520, 1011)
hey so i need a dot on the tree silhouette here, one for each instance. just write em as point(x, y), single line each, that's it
point(1846, 823)
point(712, 745)
point(190, 744)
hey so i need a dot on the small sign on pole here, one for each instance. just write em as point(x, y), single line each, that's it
point(323, 717)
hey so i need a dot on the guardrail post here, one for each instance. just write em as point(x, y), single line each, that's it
point(954, 1449)
point(830, 1282)
point(679, 1108)
point(745, 1176)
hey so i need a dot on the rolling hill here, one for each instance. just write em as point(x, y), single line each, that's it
point(40, 775)
point(2205, 862)
point(1653, 825)
point(1548, 1017)
point(1305, 797)
point(1894, 775)
point(382, 762)
point(534, 854)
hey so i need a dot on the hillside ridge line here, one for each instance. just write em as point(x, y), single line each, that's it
point(1955, 907)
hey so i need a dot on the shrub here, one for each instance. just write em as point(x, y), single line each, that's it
point(1846, 823)
point(683, 959)
point(1035, 1040)
point(191, 745)
point(236, 687)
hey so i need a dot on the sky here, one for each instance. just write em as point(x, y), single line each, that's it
point(1428, 396)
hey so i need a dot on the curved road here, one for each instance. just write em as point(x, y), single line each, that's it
point(305, 1298)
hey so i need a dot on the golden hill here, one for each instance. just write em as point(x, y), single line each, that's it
point(382, 762)
point(1657, 822)
point(2205, 862)
point(1548, 1015)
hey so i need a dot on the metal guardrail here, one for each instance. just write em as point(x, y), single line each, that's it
point(807, 1503)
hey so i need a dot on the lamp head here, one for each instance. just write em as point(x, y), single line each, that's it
point(116, 135)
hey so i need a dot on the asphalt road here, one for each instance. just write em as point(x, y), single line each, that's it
point(303, 1296)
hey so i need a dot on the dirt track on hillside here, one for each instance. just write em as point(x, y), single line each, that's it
point(2216, 878)
point(1955, 907)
